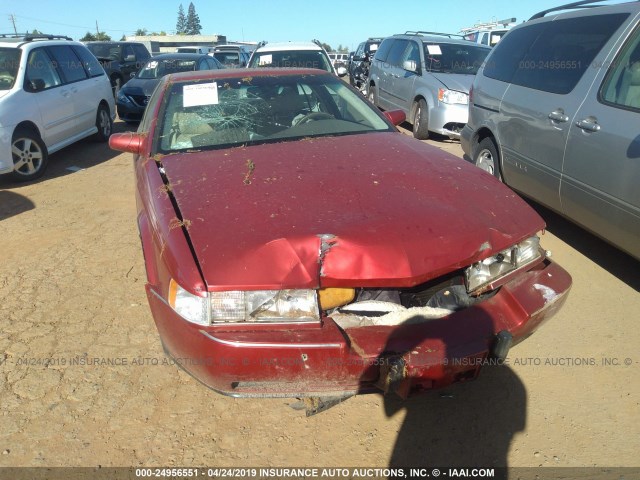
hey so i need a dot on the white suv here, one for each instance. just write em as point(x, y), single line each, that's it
point(292, 55)
point(53, 92)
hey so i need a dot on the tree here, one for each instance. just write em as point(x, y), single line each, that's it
point(326, 46)
point(100, 36)
point(36, 32)
point(141, 32)
point(193, 26)
point(181, 24)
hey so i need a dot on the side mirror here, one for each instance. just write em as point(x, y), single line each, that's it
point(127, 142)
point(394, 116)
point(36, 84)
point(341, 71)
point(410, 66)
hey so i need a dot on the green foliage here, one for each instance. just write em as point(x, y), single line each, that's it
point(327, 47)
point(193, 26)
point(90, 37)
point(181, 24)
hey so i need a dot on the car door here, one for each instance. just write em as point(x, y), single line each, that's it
point(128, 62)
point(547, 88)
point(392, 70)
point(601, 171)
point(82, 89)
point(43, 81)
point(380, 72)
point(405, 75)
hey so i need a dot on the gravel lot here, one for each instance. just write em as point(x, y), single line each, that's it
point(85, 382)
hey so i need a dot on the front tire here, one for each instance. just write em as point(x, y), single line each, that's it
point(29, 154)
point(421, 120)
point(103, 124)
point(486, 157)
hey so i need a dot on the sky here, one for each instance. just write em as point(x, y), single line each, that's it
point(334, 22)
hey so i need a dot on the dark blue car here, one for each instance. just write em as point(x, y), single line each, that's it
point(133, 96)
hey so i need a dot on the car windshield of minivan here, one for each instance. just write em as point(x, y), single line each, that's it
point(101, 50)
point(226, 112)
point(160, 68)
point(454, 58)
point(291, 59)
point(9, 62)
point(227, 58)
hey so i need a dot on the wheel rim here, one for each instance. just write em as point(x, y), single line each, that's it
point(416, 121)
point(104, 123)
point(485, 161)
point(27, 156)
point(371, 96)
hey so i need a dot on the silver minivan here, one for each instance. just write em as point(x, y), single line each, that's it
point(555, 114)
point(427, 75)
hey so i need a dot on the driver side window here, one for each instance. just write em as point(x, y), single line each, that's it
point(622, 85)
point(41, 68)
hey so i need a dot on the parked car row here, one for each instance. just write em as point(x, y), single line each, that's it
point(551, 110)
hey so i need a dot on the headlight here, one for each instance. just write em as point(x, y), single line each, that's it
point(188, 306)
point(122, 97)
point(450, 96)
point(265, 306)
point(270, 306)
point(491, 269)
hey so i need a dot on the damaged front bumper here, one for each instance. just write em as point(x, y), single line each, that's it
point(324, 360)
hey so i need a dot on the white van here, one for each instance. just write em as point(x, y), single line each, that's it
point(194, 49)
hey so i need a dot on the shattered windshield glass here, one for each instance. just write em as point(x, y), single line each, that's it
point(241, 111)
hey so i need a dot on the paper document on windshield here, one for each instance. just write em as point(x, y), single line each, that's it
point(200, 94)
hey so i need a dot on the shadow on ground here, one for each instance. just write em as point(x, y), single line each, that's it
point(84, 154)
point(608, 257)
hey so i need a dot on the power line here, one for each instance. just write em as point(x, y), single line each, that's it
point(84, 27)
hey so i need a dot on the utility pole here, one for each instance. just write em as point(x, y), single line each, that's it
point(13, 20)
point(97, 31)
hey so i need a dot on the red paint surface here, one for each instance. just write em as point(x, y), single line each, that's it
point(402, 212)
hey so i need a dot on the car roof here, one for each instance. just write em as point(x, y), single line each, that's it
point(587, 7)
point(40, 43)
point(287, 46)
point(442, 38)
point(111, 42)
point(179, 56)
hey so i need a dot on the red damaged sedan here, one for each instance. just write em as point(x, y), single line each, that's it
point(297, 245)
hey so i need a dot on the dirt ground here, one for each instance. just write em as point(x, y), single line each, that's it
point(71, 296)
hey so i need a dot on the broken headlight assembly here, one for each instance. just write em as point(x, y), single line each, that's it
point(260, 306)
point(484, 274)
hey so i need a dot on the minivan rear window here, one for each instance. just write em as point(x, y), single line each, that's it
point(552, 56)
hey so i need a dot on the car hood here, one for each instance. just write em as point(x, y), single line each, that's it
point(376, 209)
point(137, 86)
point(455, 81)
